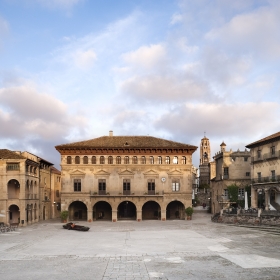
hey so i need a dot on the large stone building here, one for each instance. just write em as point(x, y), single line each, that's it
point(126, 177)
point(265, 172)
point(205, 155)
point(231, 168)
point(25, 188)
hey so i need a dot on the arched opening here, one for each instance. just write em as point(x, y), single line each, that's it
point(14, 213)
point(102, 211)
point(151, 211)
point(13, 189)
point(126, 211)
point(44, 213)
point(35, 211)
point(175, 210)
point(77, 211)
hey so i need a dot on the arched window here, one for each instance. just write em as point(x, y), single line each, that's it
point(102, 160)
point(69, 160)
point(134, 160)
point(167, 160)
point(184, 161)
point(110, 160)
point(143, 160)
point(35, 170)
point(151, 160)
point(159, 160)
point(175, 160)
point(119, 160)
point(126, 160)
point(85, 160)
point(93, 160)
point(77, 160)
point(31, 169)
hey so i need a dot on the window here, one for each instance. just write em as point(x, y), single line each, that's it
point(259, 153)
point(77, 160)
point(119, 160)
point(31, 169)
point(26, 168)
point(102, 160)
point(241, 193)
point(259, 176)
point(159, 160)
point(134, 160)
point(151, 160)
point(151, 186)
point(167, 160)
point(175, 185)
point(12, 166)
point(143, 160)
point(102, 186)
point(69, 160)
point(57, 193)
point(246, 159)
point(35, 170)
point(93, 160)
point(184, 160)
point(175, 160)
point(126, 160)
point(126, 186)
point(85, 160)
point(77, 185)
point(272, 175)
point(226, 193)
point(226, 171)
point(247, 174)
point(272, 150)
point(110, 160)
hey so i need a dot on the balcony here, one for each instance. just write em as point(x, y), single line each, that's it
point(127, 193)
point(30, 196)
point(267, 156)
point(267, 179)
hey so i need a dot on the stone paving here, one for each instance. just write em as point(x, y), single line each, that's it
point(196, 249)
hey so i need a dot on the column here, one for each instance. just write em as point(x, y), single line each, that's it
point(163, 215)
point(139, 215)
point(114, 215)
point(89, 216)
point(254, 198)
point(266, 200)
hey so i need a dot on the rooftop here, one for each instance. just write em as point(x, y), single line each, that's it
point(275, 136)
point(7, 154)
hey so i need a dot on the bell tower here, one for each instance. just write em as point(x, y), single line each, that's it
point(205, 152)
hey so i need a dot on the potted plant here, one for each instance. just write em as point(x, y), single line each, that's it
point(189, 212)
point(64, 216)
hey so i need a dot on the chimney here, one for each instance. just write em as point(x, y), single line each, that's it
point(111, 133)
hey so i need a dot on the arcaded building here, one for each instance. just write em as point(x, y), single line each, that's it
point(126, 177)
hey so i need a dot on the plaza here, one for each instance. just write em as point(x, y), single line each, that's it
point(173, 249)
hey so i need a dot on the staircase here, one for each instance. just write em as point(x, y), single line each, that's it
point(275, 205)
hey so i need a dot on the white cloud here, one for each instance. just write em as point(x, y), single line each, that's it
point(146, 56)
point(61, 4)
point(176, 18)
point(84, 59)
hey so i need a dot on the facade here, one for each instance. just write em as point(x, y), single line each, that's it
point(126, 177)
point(265, 172)
point(232, 168)
point(55, 192)
point(25, 184)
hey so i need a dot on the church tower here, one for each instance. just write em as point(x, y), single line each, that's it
point(205, 152)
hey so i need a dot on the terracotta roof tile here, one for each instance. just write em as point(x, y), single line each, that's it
point(126, 142)
point(268, 138)
point(7, 154)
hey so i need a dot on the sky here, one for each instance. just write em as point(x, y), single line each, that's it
point(71, 70)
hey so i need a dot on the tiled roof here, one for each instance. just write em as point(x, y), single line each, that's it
point(126, 142)
point(7, 154)
point(268, 138)
point(54, 170)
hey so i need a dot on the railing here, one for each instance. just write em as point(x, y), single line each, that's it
point(266, 179)
point(267, 156)
point(12, 166)
point(30, 196)
point(131, 193)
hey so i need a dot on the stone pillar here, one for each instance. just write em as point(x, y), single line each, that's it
point(114, 215)
point(221, 212)
point(266, 200)
point(89, 215)
point(254, 198)
point(163, 215)
point(139, 215)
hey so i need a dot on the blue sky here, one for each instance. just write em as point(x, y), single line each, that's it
point(72, 70)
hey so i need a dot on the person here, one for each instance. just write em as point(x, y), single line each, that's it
point(204, 205)
point(73, 225)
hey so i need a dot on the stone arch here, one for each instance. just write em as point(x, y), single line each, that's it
point(13, 189)
point(102, 211)
point(127, 210)
point(175, 210)
point(14, 214)
point(151, 210)
point(77, 211)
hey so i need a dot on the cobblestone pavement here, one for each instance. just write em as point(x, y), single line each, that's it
point(196, 249)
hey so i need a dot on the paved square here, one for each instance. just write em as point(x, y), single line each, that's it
point(196, 249)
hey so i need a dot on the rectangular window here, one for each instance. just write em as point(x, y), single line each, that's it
point(102, 186)
point(151, 186)
point(259, 176)
point(273, 175)
point(225, 170)
point(259, 154)
point(159, 160)
point(246, 159)
point(12, 166)
point(77, 185)
point(247, 173)
point(226, 193)
point(175, 186)
point(241, 193)
point(126, 186)
point(272, 150)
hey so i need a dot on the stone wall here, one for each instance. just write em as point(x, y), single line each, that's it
point(248, 219)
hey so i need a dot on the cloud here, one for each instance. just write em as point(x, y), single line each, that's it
point(146, 57)
point(254, 32)
point(84, 59)
point(176, 18)
point(4, 26)
point(61, 4)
